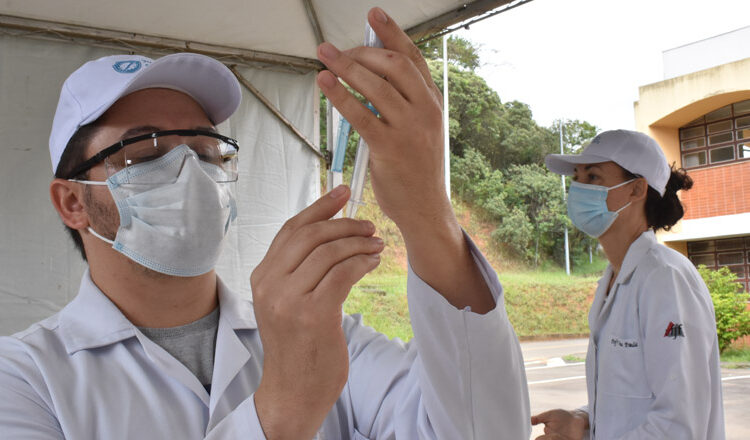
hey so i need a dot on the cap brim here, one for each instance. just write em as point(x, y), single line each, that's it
point(565, 164)
point(209, 82)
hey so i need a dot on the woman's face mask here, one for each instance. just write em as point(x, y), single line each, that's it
point(587, 207)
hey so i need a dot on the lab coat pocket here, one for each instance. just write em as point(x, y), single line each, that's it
point(622, 369)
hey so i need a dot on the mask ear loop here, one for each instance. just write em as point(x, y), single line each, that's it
point(95, 234)
point(617, 186)
point(621, 184)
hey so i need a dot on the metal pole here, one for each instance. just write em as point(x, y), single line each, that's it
point(276, 112)
point(562, 179)
point(446, 120)
point(329, 143)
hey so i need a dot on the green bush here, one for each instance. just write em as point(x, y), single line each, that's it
point(730, 305)
point(516, 233)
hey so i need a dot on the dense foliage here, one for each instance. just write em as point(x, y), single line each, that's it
point(730, 305)
point(497, 160)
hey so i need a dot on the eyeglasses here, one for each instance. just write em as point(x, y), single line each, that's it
point(211, 148)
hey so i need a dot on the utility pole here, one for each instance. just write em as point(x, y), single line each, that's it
point(446, 120)
point(562, 179)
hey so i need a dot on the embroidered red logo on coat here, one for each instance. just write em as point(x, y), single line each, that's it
point(674, 330)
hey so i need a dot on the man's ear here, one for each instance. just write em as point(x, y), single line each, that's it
point(67, 198)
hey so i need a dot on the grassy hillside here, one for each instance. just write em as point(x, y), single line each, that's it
point(540, 303)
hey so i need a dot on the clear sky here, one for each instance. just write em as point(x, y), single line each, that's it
point(585, 59)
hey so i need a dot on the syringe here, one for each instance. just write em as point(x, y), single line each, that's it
point(362, 159)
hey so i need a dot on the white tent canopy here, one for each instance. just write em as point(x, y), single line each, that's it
point(272, 45)
point(284, 27)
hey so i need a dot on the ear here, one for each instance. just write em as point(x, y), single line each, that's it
point(67, 198)
point(640, 190)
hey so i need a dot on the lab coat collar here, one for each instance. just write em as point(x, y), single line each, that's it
point(91, 320)
point(635, 254)
point(238, 312)
point(603, 299)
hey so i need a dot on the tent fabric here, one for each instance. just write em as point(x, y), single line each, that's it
point(279, 26)
point(39, 269)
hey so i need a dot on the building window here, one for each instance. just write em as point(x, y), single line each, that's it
point(719, 137)
point(733, 253)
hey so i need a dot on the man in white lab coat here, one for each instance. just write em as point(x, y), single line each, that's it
point(155, 346)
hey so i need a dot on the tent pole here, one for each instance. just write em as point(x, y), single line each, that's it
point(131, 42)
point(313, 17)
point(446, 121)
point(465, 12)
point(275, 111)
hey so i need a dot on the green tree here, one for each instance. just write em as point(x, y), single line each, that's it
point(576, 134)
point(516, 233)
point(535, 191)
point(473, 180)
point(474, 110)
point(504, 133)
point(523, 141)
point(461, 52)
point(730, 306)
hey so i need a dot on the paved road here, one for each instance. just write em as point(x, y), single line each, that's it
point(554, 383)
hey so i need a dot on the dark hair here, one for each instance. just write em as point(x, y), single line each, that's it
point(663, 212)
point(74, 154)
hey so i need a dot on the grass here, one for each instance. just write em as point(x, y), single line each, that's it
point(539, 304)
point(740, 356)
point(381, 300)
point(542, 302)
point(572, 359)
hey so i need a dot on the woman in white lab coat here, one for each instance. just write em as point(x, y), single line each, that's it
point(652, 367)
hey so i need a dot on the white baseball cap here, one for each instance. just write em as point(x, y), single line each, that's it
point(94, 87)
point(634, 151)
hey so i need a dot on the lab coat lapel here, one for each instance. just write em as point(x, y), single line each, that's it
point(603, 301)
point(91, 320)
point(599, 300)
point(231, 354)
point(174, 368)
point(635, 254)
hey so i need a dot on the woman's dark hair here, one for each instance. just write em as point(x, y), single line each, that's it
point(74, 154)
point(663, 212)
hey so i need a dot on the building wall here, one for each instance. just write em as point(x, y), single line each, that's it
point(704, 54)
point(666, 106)
point(718, 191)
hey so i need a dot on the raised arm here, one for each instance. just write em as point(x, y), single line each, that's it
point(406, 155)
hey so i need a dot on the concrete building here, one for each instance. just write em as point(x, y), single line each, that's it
point(700, 115)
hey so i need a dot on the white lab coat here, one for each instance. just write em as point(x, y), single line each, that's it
point(643, 381)
point(88, 373)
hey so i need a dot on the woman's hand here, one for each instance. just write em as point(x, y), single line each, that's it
point(560, 424)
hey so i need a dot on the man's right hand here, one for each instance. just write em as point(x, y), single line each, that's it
point(560, 424)
point(298, 292)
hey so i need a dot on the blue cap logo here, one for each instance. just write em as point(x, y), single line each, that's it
point(129, 66)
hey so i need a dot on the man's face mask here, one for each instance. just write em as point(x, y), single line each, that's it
point(174, 228)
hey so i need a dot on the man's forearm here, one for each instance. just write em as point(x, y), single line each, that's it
point(438, 254)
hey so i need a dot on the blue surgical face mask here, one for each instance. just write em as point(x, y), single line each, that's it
point(587, 207)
